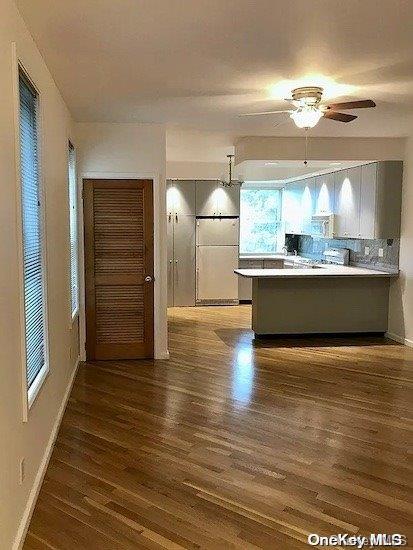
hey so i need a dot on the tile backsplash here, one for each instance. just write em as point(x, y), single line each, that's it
point(313, 247)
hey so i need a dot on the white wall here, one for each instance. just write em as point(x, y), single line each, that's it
point(401, 292)
point(134, 151)
point(19, 439)
point(196, 154)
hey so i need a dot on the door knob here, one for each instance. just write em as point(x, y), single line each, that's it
point(148, 279)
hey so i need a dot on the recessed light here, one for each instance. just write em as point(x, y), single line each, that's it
point(335, 163)
point(270, 163)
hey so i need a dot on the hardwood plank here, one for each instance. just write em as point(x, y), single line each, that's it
point(232, 443)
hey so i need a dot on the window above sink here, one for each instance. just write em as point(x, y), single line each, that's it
point(261, 228)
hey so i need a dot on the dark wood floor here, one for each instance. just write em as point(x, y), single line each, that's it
point(232, 443)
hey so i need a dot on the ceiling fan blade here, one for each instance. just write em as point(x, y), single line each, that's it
point(362, 104)
point(265, 113)
point(341, 117)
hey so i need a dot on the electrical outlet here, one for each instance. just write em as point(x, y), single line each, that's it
point(22, 471)
point(381, 252)
point(366, 250)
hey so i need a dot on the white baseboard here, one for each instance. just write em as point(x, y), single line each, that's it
point(163, 355)
point(400, 339)
point(34, 493)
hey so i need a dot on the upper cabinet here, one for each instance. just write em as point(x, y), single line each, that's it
point(213, 199)
point(366, 201)
point(291, 208)
point(388, 199)
point(324, 194)
point(180, 198)
point(228, 200)
point(206, 203)
point(298, 206)
point(307, 204)
point(347, 203)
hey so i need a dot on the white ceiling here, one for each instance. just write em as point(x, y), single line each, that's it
point(200, 63)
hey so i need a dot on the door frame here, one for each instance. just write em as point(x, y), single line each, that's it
point(160, 255)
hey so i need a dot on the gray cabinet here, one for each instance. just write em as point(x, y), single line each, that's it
point(307, 205)
point(324, 194)
point(228, 200)
point(347, 203)
point(292, 208)
point(181, 242)
point(170, 246)
point(183, 197)
point(368, 201)
point(298, 206)
point(244, 284)
point(206, 200)
point(273, 264)
point(213, 199)
point(381, 200)
point(184, 261)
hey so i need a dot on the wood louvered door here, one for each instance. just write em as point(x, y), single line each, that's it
point(118, 218)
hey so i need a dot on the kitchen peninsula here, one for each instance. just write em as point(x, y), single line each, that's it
point(318, 299)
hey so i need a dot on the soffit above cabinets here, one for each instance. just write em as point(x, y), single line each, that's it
point(259, 173)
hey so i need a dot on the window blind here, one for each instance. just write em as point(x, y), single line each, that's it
point(34, 295)
point(74, 278)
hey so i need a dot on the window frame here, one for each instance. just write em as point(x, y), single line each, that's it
point(29, 394)
point(74, 313)
point(261, 187)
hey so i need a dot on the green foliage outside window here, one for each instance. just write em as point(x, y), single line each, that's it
point(260, 220)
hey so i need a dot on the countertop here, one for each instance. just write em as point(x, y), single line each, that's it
point(321, 271)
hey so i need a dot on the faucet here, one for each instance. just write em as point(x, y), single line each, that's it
point(295, 252)
point(285, 250)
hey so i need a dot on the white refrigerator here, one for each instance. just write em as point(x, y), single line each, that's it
point(217, 251)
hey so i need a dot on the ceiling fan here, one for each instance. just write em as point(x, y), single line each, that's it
point(308, 109)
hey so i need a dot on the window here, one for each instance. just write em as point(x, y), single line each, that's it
point(74, 277)
point(260, 221)
point(32, 239)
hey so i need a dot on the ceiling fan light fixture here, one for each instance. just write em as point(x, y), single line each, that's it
point(307, 116)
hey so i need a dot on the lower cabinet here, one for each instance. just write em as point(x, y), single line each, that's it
point(273, 264)
point(244, 284)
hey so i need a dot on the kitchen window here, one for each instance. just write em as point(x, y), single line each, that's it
point(260, 221)
point(33, 263)
point(74, 268)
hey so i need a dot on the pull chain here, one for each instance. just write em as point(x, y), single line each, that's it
point(306, 147)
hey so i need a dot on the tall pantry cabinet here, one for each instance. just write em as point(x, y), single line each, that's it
point(180, 204)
